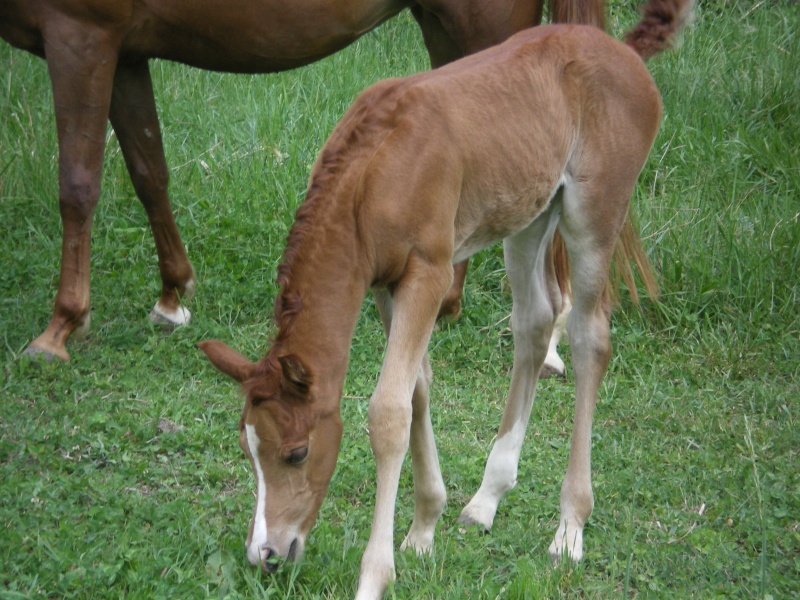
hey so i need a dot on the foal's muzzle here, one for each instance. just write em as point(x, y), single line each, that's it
point(271, 560)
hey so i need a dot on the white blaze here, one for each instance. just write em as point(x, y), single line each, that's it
point(259, 537)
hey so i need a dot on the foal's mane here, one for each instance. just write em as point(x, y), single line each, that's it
point(356, 133)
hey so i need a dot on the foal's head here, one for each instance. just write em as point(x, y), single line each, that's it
point(291, 446)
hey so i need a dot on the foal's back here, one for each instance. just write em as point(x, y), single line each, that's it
point(480, 147)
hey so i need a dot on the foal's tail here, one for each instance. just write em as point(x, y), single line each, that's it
point(628, 255)
point(658, 29)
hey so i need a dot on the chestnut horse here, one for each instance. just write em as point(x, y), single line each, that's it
point(97, 55)
point(550, 128)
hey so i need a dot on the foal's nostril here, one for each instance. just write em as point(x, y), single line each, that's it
point(270, 560)
point(292, 550)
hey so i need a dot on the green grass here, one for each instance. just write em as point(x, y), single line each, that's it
point(695, 441)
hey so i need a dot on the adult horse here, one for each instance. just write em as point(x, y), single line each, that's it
point(97, 55)
point(549, 129)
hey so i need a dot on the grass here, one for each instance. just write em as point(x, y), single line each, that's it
point(695, 444)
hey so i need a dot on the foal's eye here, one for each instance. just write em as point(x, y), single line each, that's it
point(297, 455)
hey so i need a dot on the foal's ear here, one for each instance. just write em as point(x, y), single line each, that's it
point(295, 374)
point(227, 360)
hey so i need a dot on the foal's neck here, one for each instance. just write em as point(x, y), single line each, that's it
point(323, 284)
point(325, 271)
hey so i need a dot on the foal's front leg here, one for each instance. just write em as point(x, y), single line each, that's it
point(430, 495)
point(391, 412)
point(429, 491)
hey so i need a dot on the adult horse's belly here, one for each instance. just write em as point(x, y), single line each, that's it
point(251, 35)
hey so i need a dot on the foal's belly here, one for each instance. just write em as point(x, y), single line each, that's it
point(486, 218)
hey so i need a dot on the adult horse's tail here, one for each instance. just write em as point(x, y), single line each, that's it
point(585, 12)
point(659, 26)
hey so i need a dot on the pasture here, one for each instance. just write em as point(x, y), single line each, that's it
point(120, 472)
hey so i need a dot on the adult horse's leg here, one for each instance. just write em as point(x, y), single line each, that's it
point(535, 301)
point(135, 120)
point(81, 60)
point(451, 30)
point(430, 494)
point(586, 12)
point(391, 412)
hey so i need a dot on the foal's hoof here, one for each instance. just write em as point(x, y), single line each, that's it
point(171, 318)
point(549, 371)
point(563, 557)
point(567, 544)
point(469, 521)
point(37, 354)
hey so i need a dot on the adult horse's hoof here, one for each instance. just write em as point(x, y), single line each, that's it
point(171, 318)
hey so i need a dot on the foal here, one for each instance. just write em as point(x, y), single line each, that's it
point(548, 129)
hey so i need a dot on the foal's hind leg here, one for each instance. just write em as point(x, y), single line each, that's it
point(451, 305)
point(590, 240)
point(535, 296)
point(135, 120)
point(429, 490)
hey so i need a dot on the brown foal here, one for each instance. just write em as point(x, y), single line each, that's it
point(549, 129)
